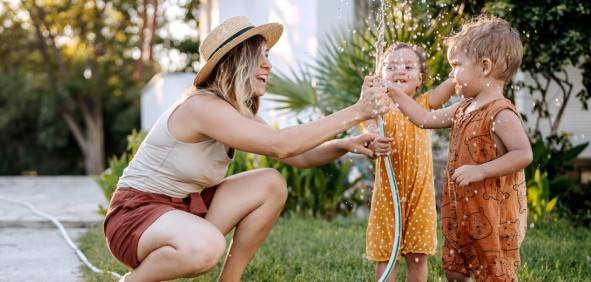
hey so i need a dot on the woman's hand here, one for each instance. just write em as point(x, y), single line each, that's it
point(374, 100)
point(368, 144)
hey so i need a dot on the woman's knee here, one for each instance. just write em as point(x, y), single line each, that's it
point(275, 184)
point(202, 255)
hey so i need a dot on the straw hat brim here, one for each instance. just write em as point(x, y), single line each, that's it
point(271, 32)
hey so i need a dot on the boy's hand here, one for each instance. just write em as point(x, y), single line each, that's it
point(467, 174)
point(361, 144)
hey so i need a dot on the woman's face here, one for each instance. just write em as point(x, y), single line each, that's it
point(262, 71)
point(403, 68)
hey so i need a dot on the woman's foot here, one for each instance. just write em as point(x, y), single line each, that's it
point(123, 277)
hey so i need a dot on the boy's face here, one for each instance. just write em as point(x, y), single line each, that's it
point(402, 67)
point(465, 73)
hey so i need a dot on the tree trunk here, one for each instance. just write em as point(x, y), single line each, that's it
point(95, 148)
point(139, 71)
point(566, 88)
point(94, 157)
point(153, 27)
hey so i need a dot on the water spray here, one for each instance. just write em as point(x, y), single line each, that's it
point(389, 168)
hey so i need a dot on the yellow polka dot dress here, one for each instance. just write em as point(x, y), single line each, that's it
point(413, 166)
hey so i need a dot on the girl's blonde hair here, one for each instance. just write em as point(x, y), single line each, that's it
point(420, 52)
point(233, 78)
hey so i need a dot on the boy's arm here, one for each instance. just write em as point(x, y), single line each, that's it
point(508, 128)
point(441, 94)
point(417, 114)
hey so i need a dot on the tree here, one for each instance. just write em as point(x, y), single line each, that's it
point(147, 36)
point(349, 56)
point(79, 52)
point(555, 37)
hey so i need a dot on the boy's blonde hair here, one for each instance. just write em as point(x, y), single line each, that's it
point(493, 38)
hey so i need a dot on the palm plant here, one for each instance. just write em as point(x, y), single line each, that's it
point(347, 57)
point(294, 93)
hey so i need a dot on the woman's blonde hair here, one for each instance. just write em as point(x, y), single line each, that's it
point(233, 77)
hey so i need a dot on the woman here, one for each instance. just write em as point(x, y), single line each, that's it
point(173, 205)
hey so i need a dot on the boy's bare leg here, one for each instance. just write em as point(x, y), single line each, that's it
point(381, 267)
point(456, 277)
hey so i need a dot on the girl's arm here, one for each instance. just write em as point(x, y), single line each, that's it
point(437, 97)
point(417, 114)
point(441, 94)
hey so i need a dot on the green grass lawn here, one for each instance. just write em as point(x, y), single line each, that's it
point(315, 250)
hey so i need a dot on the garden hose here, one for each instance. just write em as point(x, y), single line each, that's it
point(64, 234)
point(389, 169)
point(396, 205)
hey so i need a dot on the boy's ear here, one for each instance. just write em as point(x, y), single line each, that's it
point(487, 66)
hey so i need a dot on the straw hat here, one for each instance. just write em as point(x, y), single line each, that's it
point(228, 35)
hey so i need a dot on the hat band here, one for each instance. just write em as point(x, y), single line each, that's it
point(230, 39)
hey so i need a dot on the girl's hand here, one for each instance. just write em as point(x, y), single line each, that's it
point(360, 144)
point(467, 174)
point(393, 90)
point(381, 146)
point(374, 100)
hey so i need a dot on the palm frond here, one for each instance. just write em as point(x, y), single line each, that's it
point(348, 55)
point(295, 92)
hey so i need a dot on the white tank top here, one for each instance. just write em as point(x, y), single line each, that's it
point(164, 165)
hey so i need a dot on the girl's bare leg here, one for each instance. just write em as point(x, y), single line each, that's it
point(417, 269)
point(381, 267)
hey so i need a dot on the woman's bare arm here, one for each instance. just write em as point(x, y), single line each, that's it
point(213, 117)
point(329, 150)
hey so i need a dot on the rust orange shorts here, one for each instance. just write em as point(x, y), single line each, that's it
point(132, 211)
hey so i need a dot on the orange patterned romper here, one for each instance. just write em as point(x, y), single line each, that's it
point(412, 161)
point(483, 223)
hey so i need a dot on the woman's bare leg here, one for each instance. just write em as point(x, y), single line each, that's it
point(251, 201)
point(178, 244)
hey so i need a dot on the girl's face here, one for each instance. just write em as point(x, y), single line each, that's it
point(262, 72)
point(403, 68)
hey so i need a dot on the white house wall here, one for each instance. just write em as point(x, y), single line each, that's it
point(306, 23)
point(574, 119)
point(162, 91)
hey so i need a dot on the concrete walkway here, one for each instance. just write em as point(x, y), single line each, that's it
point(31, 247)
